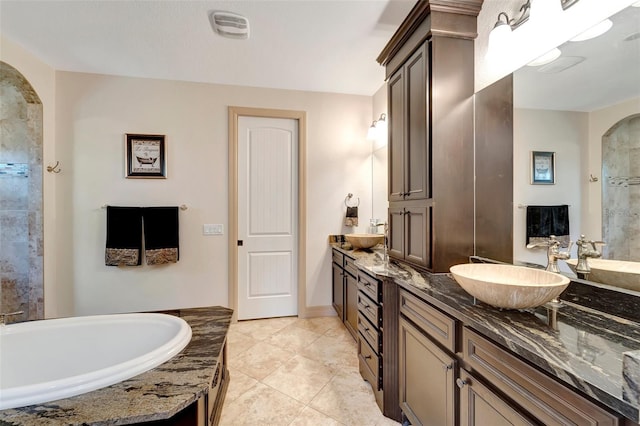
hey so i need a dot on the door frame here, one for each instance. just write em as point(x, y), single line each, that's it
point(301, 116)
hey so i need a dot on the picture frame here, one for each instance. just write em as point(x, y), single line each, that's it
point(145, 156)
point(543, 168)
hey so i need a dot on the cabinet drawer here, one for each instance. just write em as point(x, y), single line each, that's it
point(338, 258)
point(369, 333)
point(370, 360)
point(371, 310)
point(350, 266)
point(436, 324)
point(371, 286)
point(547, 400)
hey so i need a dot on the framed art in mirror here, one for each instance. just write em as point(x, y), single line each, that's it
point(145, 156)
point(543, 168)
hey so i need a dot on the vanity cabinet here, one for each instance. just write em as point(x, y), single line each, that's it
point(345, 290)
point(451, 374)
point(377, 340)
point(409, 231)
point(429, 68)
point(409, 135)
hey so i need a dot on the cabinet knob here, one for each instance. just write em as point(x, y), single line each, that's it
point(461, 382)
point(447, 367)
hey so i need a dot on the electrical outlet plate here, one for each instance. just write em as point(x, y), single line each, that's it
point(212, 229)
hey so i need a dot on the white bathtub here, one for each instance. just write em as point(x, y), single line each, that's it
point(42, 361)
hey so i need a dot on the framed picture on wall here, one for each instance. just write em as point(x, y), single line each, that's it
point(145, 156)
point(543, 168)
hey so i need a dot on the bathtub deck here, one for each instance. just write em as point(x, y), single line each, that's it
point(154, 395)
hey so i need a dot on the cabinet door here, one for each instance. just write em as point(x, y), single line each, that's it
point(480, 406)
point(416, 152)
point(418, 235)
point(396, 246)
point(338, 290)
point(351, 305)
point(426, 379)
point(396, 136)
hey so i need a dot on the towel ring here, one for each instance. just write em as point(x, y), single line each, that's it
point(349, 197)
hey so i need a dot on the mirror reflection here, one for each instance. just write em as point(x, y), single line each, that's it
point(585, 107)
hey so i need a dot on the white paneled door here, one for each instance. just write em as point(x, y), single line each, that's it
point(267, 217)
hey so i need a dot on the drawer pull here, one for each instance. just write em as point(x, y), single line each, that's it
point(367, 357)
point(366, 306)
point(461, 382)
point(367, 284)
point(366, 329)
point(447, 367)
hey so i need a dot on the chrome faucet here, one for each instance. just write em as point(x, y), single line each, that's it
point(586, 249)
point(553, 252)
point(3, 317)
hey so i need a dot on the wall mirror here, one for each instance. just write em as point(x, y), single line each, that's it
point(585, 107)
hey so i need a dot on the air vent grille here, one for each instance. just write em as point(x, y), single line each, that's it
point(231, 25)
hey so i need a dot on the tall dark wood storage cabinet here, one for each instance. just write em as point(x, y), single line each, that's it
point(430, 73)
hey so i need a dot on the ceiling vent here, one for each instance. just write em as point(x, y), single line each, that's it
point(230, 25)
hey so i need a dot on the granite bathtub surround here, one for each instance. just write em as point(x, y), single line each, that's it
point(578, 345)
point(21, 232)
point(156, 394)
point(621, 189)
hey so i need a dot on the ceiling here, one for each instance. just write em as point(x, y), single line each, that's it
point(608, 74)
point(311, 45)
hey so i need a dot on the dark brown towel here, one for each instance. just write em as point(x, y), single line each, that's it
point(161, 235)
point(351, 218)
point(544, 221)
point(124, 241)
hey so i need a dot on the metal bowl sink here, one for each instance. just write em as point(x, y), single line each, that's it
point(363, 241)
point(508, 286)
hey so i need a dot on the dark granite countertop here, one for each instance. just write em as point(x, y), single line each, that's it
point(583, 348)
point(154, 395)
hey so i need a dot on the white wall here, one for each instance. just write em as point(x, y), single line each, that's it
point(566, 134)
point(533, 38)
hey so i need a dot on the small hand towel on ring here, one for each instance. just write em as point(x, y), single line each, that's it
point(351, 218)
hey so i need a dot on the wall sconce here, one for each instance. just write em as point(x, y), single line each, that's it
point(377, 128)
point(501, 31)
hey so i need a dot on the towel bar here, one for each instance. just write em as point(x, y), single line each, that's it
point(182, 206)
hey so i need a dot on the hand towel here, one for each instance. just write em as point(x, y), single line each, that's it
point(544, 221)
point(161, 235)
point(351, 218)
point(124, 236)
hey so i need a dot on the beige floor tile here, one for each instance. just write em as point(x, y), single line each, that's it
point(293, 338)
point(238, 343)
point(262, 329)
point(261, 405)
point(311, 417)
point(319, 325)
point(348, 399)
point(260, 360)
point(335, 352)
point(300, 378)
point(239, 383)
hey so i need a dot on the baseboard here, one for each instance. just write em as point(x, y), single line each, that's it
point(317, 311)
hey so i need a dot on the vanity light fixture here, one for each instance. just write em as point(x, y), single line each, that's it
point(595, 31)
point(545, 11)
point(377, 128)
point(566, 4)
point(499, 35)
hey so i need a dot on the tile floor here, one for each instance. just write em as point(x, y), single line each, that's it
point(291, 371)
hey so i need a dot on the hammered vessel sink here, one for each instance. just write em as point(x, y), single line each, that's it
point(509, 286)
point(363, 241)
point(618, 273)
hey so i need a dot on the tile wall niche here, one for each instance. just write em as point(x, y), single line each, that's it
point(21, 233)
point(621, 190)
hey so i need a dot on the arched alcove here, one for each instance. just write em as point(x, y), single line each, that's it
point(21, 229)
point(621, 190)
